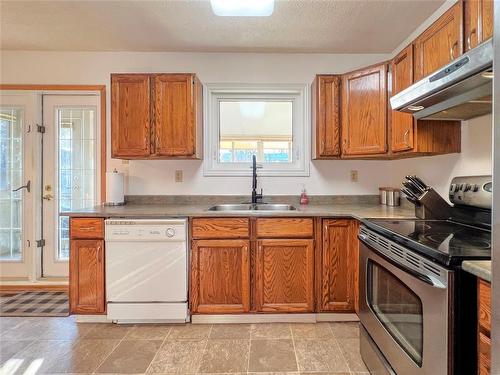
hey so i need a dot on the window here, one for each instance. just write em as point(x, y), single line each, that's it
point(270, 122)
point(77, 166)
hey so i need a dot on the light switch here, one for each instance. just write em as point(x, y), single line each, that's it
point(178, 175)
point(354, 175)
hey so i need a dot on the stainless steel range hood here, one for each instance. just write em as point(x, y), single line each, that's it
point(460, 91)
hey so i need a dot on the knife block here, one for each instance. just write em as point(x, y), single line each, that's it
point(432, 206)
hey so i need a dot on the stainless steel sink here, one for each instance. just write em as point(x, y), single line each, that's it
point(231, 207)
point(253, 207)
point(274, 207)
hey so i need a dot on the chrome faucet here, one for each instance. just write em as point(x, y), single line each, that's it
point(256, 198)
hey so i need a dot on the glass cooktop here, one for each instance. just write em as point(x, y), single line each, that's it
point(445, 241)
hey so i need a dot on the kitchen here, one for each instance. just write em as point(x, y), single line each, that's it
point(269, 280)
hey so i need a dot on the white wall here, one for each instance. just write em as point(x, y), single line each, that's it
point(327, 177)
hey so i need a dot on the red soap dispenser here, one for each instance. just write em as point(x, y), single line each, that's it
point(304, 199)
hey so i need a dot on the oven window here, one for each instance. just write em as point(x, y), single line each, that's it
point(397, 308)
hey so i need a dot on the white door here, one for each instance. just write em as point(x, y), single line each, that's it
point(71, 171)
point(17, 216)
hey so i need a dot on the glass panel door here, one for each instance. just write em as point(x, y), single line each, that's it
point(16, 237)
point(398, 308)
point(71, 171)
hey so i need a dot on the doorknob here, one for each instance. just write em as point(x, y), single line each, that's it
point(48, 197)
point(27, 187)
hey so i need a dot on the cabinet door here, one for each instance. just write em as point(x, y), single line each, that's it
point(440, 43)
point(326, 116)
point(284, 274)
point(339, 266)
point(130, 116)
point(175, 116)
point(220, 279)
point(364, 112)
point(478, 22)
point(86, 268)
point(486, 19)
point(402, 130)
point(484, 354)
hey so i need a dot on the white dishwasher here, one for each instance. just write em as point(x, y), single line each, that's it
point(146, 270)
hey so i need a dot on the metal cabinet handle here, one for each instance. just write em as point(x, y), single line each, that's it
point(452, 50)
point(469, 39)
point(87, 229)
point(27, 187)
point(405, 136)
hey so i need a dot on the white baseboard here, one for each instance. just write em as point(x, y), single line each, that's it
point(92, 319)
point(272, 318)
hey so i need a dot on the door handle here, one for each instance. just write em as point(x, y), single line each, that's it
point(27, 187)
point(48, 197)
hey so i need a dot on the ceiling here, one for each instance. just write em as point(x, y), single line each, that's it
point(328, 26)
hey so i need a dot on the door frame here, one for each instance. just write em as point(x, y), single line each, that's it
point(56, 87)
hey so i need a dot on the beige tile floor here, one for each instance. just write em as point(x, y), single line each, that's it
point(60, 345)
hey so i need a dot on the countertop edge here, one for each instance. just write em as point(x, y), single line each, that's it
point(479, 268)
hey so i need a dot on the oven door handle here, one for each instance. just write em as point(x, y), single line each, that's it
point(432, 281)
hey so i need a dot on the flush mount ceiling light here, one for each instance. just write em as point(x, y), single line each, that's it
point(243, 8)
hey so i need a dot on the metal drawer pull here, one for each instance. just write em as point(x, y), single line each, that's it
point(87, 229)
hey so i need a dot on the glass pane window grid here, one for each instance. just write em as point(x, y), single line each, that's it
point(77, 167)
point(262, 128)
point(11, 177)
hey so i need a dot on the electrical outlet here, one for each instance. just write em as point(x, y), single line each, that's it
point(178, 175)
point(354, 175)
point(124, 161)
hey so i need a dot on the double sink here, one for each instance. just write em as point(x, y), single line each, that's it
point(253, 207)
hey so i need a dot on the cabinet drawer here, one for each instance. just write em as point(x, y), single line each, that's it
point(230, 227)
point(285, 228)
point(484, 297)
point(484, 355)
point(87, 228)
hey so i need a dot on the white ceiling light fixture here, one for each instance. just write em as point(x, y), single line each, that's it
point(242, 8)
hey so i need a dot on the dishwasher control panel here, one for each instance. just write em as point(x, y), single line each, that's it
point(146, 230)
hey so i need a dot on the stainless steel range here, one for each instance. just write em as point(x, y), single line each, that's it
point(417, 307)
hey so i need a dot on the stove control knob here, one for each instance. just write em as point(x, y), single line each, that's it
point(467, 187)
point(475, 187)
point(170, 232)
point(457, 187)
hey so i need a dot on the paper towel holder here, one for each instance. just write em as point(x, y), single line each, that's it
point(114, 180)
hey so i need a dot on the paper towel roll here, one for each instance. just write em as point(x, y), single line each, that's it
point(114, 188)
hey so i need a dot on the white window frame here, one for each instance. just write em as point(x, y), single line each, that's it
point(301, 130)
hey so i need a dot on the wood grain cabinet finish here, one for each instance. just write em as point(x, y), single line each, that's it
point(156, 116)
point(227, 227)
point(82, 228)
point(86, 270)
point(326, 116)
point(484, 327)
point(284, 275)
point(364, 112)
point(338, 268)
point(478, 22)
point(441, 43)
point(284, 227)
point(130, 116)
point(220, 281)
point(177, 115)
point(402, 124)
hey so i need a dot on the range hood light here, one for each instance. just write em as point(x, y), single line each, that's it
point(243, 8)
point(488, 74)
point(415, 108)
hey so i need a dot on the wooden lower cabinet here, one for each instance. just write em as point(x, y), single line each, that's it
point(338, 266)
point(284, 275)
point(484, 327)
point(86, 272)
point(220, 276)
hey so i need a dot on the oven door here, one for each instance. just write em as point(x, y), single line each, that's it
point(403, 308)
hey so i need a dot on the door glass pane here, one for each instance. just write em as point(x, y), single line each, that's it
point(11, 177)
point(77, 166)
point(398, 308)
point(261, 128)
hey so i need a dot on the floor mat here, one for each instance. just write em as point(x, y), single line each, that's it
point(37, 303)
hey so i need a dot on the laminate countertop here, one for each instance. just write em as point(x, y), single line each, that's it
point(479, 268)
point(354, 210)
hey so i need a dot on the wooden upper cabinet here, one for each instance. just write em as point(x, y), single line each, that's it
point(364, 112)
point(402, 124)
point(86, 273)
point(177, 115)
point(339, 266)
point(326, 116)
point(284, 275)
point(440, 44)
point(220, 276)
point(130, 116)
point(156, 116)
point(478, 22)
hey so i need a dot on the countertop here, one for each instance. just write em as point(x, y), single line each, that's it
point(354, 210)
point(479, 268)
